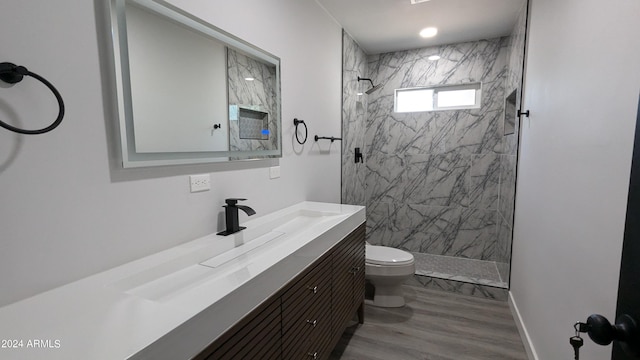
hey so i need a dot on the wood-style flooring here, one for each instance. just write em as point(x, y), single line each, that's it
point(434, 325)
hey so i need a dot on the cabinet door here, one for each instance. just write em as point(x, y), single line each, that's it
point(256, 336)
point(358, 262)
point(348, 278)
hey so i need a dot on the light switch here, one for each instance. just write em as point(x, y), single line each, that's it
point(274, 172)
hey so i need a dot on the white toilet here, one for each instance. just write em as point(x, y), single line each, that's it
point(387, 268)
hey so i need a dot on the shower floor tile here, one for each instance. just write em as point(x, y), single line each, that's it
point(459, 269)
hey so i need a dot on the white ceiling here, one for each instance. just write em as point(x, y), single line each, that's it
point(390, 25)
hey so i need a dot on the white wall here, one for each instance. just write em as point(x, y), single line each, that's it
point(65, 214)
point(582, 86)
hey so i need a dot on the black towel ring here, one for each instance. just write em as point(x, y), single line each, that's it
point(297, 122)
point(12, 74)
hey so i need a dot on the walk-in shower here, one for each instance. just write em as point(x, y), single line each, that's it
point(440, 182)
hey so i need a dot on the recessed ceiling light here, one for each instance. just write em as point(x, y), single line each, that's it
point(428, 32)
point(249, 78)
point(413, 2)
point(434, 57)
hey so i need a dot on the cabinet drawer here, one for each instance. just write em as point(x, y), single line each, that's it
point(314, 350)
point(309, 340)
point(307, 296)
point(310, 283)
point(299, 317)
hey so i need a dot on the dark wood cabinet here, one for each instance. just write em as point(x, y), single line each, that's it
point(348, 281)
point(305, 311)
point(256, 336)
point(306, 317)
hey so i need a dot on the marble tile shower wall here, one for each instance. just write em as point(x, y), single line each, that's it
point(259, 94)
point(432, 182)
point(354, 110)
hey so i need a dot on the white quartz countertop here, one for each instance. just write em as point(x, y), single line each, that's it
point(170, 305)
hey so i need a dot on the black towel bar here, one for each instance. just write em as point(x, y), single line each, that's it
point(327, 138)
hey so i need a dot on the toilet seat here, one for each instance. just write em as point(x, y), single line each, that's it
point(387, 256)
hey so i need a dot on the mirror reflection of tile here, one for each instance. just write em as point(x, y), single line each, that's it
point(253, 123)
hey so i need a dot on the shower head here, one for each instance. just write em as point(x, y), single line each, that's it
point(373, 87)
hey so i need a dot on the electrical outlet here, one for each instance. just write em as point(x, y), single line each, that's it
point(200, 182)
point(274, 172)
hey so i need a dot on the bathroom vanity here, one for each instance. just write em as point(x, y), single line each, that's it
point(283, 288)
point(304, 319)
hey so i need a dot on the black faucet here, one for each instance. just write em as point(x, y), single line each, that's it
point(231, 216)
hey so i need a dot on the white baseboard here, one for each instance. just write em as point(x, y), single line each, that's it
point(522, 329)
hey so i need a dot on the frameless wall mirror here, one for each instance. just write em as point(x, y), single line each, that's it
point(189, 92)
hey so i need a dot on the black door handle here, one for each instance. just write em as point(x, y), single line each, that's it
point(625, 331)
